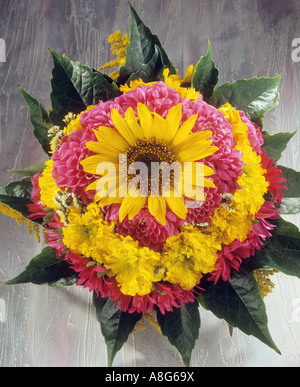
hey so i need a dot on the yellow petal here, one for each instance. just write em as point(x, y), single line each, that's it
point(131, 119)
point(146, 120)
point(131, 207)
point(157, 208)
point(122, 127)
point(173, 119)
point(111, 139)
point(184, 130)
point(177, 206)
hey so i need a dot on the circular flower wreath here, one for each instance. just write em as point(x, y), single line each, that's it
point(151, 251)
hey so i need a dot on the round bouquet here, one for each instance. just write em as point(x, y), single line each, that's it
point(159, 193)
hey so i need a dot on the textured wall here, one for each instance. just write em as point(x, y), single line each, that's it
point(41, 326)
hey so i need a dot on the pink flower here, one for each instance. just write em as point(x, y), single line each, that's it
point(148, 231)
point(67, 170)
point(273, 177)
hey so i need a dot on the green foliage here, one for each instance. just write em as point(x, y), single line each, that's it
point(17, 195)
point(275, 144)
point(281, 251)
point(116, 325)
point(46, 268)
point(238, 301)
point(206, 75)
point(254, 96)
point(76, 86)
point(181, 326)
point(40, 120)
point(145, 57)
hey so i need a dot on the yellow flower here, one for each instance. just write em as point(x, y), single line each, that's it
point(146, 139)
point(48, 186)
point(189, 255)
point(134, 267)
point(88, 233)
point(119, 44)
point(235, 222)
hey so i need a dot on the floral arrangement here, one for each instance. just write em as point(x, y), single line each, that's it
point(159, 193)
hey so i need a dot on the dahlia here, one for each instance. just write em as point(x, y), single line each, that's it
point(67, 170)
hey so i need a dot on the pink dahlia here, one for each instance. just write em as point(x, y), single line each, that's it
point(148, 231)
point(67, 170)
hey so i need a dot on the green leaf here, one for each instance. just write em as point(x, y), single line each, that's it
point(281, 251)
point(17, 195)
point(238, 302)
point(76, 86)
point(29, 172)
point(40, 120)
point(46, 268)
point(206, 75)
point(254, 96)
point(292, 182)
point(116, 325)
point(153, 70)
point(275, 144)
point(181, 327)
point(145, 57)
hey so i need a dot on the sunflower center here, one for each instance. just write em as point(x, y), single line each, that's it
point(149, 152)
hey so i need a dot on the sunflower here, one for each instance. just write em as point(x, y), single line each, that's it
point(148, 140)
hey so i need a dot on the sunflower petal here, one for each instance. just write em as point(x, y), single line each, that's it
point(122, 127)
point(157, 208)
point(131, 206)
point(184, 130)
point(177, 206)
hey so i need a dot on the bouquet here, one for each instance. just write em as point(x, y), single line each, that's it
point(160, 194)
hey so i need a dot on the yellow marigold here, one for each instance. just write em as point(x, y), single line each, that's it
point(48, 186)
point(87, 233)
point(135, 268)
point(235, 222)
point(189, 255)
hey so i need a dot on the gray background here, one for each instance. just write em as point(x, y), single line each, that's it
point(41, 326)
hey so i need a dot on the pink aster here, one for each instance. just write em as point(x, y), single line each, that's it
point(67, 170)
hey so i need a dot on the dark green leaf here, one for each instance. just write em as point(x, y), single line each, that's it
point(238, 302)
point(254, 96)
point(76, 86)
point(206, 75)
point(153, 70)
point(40, 120)
point(181, 326)
point(275, 144)
point(116, 326)
point(30, 171)
point(292, 182)
point(141, 56)
point(281, 251)
point(46, 268)
point(17, 195)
